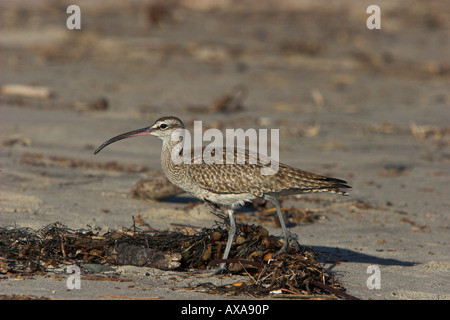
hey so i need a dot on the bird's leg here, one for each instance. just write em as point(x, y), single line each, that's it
point(286, 233)
point(231, 233)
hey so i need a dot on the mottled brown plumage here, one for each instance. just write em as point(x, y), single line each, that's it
point(242, 178)
point(230, 185)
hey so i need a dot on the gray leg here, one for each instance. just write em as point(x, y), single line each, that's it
point(231, 233)
point(286, 233)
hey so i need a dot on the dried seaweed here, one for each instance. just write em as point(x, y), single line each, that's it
point(38, 159)
point(296, 272)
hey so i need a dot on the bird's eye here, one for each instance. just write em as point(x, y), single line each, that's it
point(163, 126)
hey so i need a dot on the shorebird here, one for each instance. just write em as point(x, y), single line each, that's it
point(230, 186)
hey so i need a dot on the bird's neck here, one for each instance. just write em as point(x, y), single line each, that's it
point(171, 154)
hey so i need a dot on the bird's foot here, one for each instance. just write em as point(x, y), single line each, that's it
point(290, 239)
point(213, 272)
point(282, 250)
point(221, 269)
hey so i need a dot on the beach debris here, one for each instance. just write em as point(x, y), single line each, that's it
point(297, 272)
point(41, 160)
point(231, 100)
point(26, 91)
point(98, 104)
point(18, 138)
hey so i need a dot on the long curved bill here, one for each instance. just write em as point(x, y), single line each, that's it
point(139, 132)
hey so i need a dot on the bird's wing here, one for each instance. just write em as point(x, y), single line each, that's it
point(249, 177)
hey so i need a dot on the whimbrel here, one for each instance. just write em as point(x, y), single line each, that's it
point(231, 185)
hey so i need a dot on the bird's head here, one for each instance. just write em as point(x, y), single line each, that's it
point(163, 128)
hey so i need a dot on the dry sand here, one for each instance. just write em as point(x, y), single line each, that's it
point(368, 106)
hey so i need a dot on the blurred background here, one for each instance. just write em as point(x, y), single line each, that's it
point(293, 58)
point(368, 106)
point(350, 102)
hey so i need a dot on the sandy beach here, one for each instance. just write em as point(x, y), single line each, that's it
point(371, 107)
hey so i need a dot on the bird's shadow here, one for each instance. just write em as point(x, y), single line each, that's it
point(334, 255)
point(184, 199)
point(329, 255)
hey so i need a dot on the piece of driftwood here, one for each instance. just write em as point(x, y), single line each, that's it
point(26, 91)
point(128, 254)
point(25, 250)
